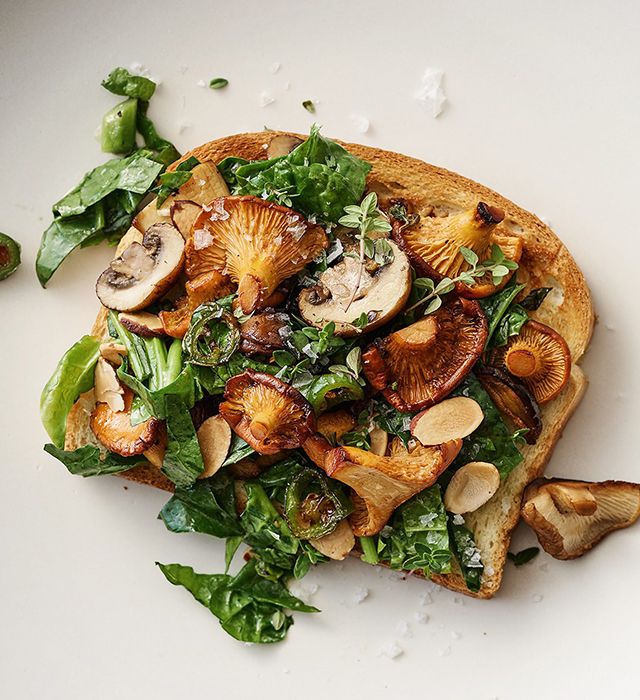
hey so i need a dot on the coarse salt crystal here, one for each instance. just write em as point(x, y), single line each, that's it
point(402, 629)
point(391, 650)
point(421, 617)
point(426, 598)
point(361, 593)
point(537, 598)
point(287, 86)
point(455, 635)
point(266, 98)
point(489, 570)
point(361, 123)
point(458, 519)
point(201, 83)
point(275, 67)
point(202, 239)
point(446, 651)
point(431, 93)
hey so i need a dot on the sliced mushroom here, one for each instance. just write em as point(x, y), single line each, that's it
point(433, 245)
point(214, 437)
point(107, 387)
point(379, 441)
point(257, 243)
point(471, 487)
point(419, 365)
point(143, 272)
point(142, 323)
point(512, 399)
point(451, 419)
point(381, 295)
point(337, 544)
point(539, 357)
point(262, 333)
point(571, 517)
point(381, 484)
point(113, 352)
point(282, 145)
point(266, 412)
point(184, 213)
point(114, 430)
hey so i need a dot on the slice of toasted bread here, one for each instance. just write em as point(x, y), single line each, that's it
point(545, 262)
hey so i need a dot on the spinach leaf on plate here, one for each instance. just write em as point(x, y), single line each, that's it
point(88, 461)
point(523, 556)
point(121, 82)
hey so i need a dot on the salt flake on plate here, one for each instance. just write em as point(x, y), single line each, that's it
point(266, 98)
point(361, 123)
point(431, 93)
point(391, 650)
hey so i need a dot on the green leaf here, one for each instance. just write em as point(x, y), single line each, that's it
point(118, 133)
point(496, 305)
point(309, 106)
point(230, 549)
point(88, 461)
point(238, 450)
point(469, 255)
point(183, 460)
point(534, 299)
point(433, 305)
point(121, 82)
point(218, 83)
point(524, 556)
point(467, 554)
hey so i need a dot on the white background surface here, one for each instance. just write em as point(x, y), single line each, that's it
point(544, 106)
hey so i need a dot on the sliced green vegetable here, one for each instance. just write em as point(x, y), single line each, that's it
point(218, 83)
point(369, 550)
point(9, 256)
point(213, 335)
point(88, 461)
point(329, 390)
point(467, 554)
point(72, 377)
point(183, 461)
point(119, 128)
point(121, 82)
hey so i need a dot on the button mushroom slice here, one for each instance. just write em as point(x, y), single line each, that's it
point(419, 365)
point(142, 323)
point(114, 430)
point(433, 245)
point(512, 399)
point(113, 352)
point(282, 145)
point(107, 387)
point(379, 441)
point(143, 272)
point(266, 412)
point(381, 295)
point(539, 357)
point(451, 419)
point(257, 243)
point(261, 334)
point(381, 484)
point(337, 544)
point(470, 487)
point(571, 517)
point(214, 438)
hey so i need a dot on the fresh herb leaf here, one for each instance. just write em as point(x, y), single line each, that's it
point(218, 83)
point(467, 554)
point(121, 82)
point(524, 556)
point(88, 461)
point(183, 460)
point(389, 419)
point(510, 325)
point(309, 106)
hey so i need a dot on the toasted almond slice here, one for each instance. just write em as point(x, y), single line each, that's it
point(184, 212)
point(471, 487)
point(379, 441)
point(337, 544)
point(214, 436)
point(113, 352)
point(142, 323)
point(575, 499)
point(107, 386)
point(451, 419)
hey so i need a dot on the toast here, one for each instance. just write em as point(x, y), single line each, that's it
point(545, 262)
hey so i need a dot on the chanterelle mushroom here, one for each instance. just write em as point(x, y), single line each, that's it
point(382, 293)
point(539, 357)
point(434, 243)
point(144, 271)
point(257, 243)
point(266, 412)
point(419, 365)
point(381, 484)
point(570, 517)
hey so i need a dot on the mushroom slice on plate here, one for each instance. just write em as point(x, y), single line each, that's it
point(451, 419)
point(433, 245)
point(266, 412)
point(143, 272)
point(570, 517)
point(381, 484)
point(257, 243)
point(471, 487)
point(142, 323)
point(261, 333)
point(114, 430)
point(419, 365)
point(382, 293)
point(337, 544)
point(214, 438)
point(539, 357)
point(107, 387)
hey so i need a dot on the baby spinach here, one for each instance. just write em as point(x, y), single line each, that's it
point(496, 306)
point(171, 182)
point(72, 377)
point(535, 297)
point(183, 460)
point(467, 554)
point(523, 556)
point(88, 461)
point(213, 379)
point(238, 450)
point(121, 82)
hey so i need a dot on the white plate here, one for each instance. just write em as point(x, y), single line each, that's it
point(543, 105)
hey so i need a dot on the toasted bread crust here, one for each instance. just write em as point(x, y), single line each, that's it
point(545, 262)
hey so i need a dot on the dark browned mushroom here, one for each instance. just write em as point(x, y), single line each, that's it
point(261, 334)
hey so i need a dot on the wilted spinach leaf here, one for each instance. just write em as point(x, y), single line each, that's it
point(87, 460)
point(183, 460)
point(121, 82)
point(467, 554)
point(496, 306)
point(524, 556)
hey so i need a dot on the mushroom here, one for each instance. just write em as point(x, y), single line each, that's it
point(379, 441)
point(433, 245)
point(381, 484)
point(214, 438)
point(184, 213)
point(261, 333)
point(331, 426)
point(114, 430)
point(471, 486)
point(539, 357)
point(142, 323)
point(266, 412)
point(107, 386)
point(143, 272)
point(451, 419)
point(570, 517)
point(381, 295)
point(113, 352)
point(282, 145)
point(337, 544)
point(419, 365)
point(257, 243)
point(512, 399)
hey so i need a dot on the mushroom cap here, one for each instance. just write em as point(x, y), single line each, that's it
point(571, 517)
point(337, 544)
point(419, 365)
point(261, 333)
point(381, 294)
point(142, 323)
point(433, 245)
point(381, 484)
point(257, 243)
point(266, 412)
point(539, 357)
point(144, 271)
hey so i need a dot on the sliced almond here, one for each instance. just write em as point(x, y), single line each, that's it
point(379, 441)
point(184, 212)
point(214, 436)
point(142, 323)
point(113, 352)
point(575, 499)
point(337, 544)
point(107, 386)
point(451, 419)
point(471, 487)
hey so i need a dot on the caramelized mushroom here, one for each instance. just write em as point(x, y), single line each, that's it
point(381, 484)
point(539, 357)
point(257, 243)
point(261, 333)
point(267, 413)
point(571, 517)
point(451, 419)
point(113, 352)
point(142, 323)
point(107, 386)
point(419, 365)
point(337, 544)
point(433, 245)
point(282, 145)
point(184, 213)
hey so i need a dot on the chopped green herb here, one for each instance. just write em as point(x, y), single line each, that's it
point(309, 106)
point(524, 556)
point(119, 128)
point(218, 83)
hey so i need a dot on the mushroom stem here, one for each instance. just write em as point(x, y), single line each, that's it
point(356, 286)
point(522, 362)
point(259, 426)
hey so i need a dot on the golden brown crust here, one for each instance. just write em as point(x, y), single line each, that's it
point(545, 262)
